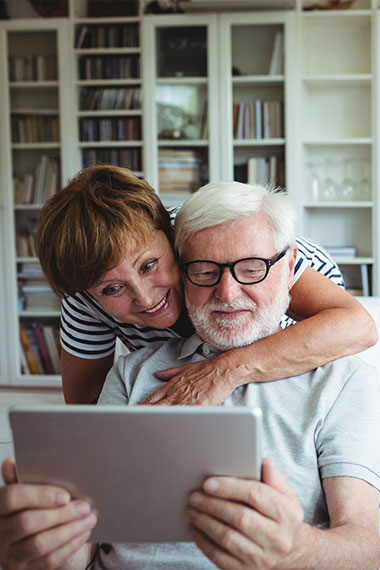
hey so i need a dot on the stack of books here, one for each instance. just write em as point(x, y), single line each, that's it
point(39, 349)
point(37, 187)
point(179, 170)
point(258, 120)
point(33, 68)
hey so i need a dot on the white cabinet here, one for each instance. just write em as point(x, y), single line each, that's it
point(108, 89)
point(290, 97)
point(255, 110)
point(34, 76)
point(181, 120)
point(336, 193)
point(215, 105)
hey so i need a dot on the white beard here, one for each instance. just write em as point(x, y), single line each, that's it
point(226, 334)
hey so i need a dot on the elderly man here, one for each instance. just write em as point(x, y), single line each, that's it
point(316, 506)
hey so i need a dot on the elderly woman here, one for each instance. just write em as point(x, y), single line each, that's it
point(105, 246)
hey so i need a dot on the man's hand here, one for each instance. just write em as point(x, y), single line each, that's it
point(241, 523)
point(40, 527)
point(204, 383)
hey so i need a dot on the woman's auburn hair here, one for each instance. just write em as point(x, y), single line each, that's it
point(83, 230)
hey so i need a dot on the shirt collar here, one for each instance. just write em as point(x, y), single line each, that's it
point(195, 344)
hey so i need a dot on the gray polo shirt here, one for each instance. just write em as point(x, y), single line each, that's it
point(323, 423)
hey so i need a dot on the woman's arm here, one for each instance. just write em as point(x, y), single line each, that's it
point(331, 324)
point(83, 378)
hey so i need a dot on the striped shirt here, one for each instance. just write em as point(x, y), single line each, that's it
point(87, 331)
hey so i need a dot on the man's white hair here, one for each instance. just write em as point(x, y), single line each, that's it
point(221, 202)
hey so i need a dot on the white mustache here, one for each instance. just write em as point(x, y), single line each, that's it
point(239, 303)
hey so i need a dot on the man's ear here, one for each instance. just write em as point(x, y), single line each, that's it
point(291, 264)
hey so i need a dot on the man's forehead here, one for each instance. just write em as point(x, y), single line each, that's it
point(247, 237)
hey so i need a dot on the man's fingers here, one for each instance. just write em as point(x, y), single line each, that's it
point(34, 521)
point(17, 497)
point(48, 543)
point(8, 471)
point(273, 477)
point(59, 556)
point(269, 501)
point(247, 521)
point(225, 539)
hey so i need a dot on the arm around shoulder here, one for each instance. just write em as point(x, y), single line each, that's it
point(82, 378)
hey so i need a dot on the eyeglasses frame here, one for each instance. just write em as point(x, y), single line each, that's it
point(231, 265)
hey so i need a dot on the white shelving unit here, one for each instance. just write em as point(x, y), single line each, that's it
point(337, 196)
point(108, 88)
point(327, 83)
point(181, 118)
point(255, 51)
point(33, 96)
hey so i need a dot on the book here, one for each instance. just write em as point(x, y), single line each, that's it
point(29, 356)
point(53, 349)
point(276, 62)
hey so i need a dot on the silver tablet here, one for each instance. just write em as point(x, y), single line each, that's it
point(137, 464)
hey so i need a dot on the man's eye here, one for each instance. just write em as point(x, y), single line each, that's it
point(109, 291)
point(151, 266)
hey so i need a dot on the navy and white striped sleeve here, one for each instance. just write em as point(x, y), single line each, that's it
point(310, 253)
point(82, 330)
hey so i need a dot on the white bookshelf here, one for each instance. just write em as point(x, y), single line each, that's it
point(33, 100)
point(328, 85)
point(180, 91)
point(101, 50)
point(336, 136)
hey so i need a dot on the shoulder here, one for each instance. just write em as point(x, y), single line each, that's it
point(312, 254)
point(150, 355)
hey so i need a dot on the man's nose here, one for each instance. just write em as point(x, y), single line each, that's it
point(228, 289)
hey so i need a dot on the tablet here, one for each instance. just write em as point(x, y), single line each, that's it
point(135, 464)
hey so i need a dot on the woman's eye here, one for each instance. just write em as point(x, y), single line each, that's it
point(109, 291)
point(150, 266)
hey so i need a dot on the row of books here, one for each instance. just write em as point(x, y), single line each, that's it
point(34, 294)
point(25, 238)
point(108, 99)
point(179, 170)
point(37, 187)
point(120, 129)
point(107, 36)
point(33, 68)
point(109, 67)
point(40, 349)
point(35, 128)
point(124, 157)
point(261, 170)
point(258, 120)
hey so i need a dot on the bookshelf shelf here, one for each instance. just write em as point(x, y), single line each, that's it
point(336, 79)
point(360, 141)
point(52, 84)
point(340, 204)
point(116, 144)
point(106, 82)
point(109, 20)
point(108, 51)
point(32, 146)
point(120, 113)
point(259, 142)
point(252, 79)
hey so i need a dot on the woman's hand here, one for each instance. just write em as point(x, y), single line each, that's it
point(204, 383)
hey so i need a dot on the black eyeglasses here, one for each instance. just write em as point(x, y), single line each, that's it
point(246, 271)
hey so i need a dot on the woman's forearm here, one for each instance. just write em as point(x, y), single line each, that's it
point(319, 339)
